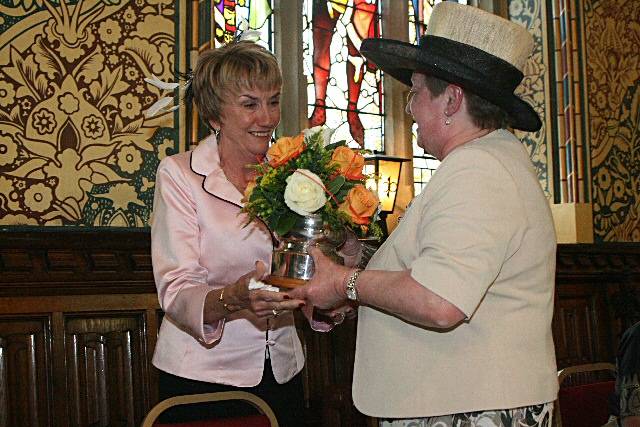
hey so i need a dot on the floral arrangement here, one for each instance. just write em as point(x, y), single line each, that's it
point(304, 175)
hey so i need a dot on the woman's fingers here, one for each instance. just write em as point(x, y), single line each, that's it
point(260, 271)
point(268, 303)
point(339, 314)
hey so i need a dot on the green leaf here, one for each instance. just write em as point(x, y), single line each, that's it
point(335, 185)
point(255, 194)
point(285, 224)
point(273, 220)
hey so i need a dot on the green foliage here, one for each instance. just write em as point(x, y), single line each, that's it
point(266, 200)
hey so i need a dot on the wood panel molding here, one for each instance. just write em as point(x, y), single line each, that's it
point(75, 262)
point(597, 298)
point(614, 261)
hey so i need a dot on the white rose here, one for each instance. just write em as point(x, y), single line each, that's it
point(304, 193)
point(326, 133)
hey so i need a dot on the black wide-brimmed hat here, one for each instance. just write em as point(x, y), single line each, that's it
point(481, 52)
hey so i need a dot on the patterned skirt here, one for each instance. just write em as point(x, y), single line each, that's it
point(526, 416)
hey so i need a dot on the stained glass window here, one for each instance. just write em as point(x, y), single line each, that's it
point(344, 90)
point(215, 24)
point(228, 14)
point(424, 165)
point(570, 182)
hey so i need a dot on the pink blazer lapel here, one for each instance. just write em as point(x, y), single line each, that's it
point(205, 161)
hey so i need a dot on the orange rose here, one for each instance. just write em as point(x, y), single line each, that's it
point(360, 204)
point(285, 149)
point(350, 162)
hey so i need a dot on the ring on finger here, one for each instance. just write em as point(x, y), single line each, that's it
point(275, 312)
point(339, 318)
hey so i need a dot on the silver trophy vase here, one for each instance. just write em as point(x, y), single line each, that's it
point(291, 264)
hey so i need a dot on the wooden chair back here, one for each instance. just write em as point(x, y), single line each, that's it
point(583, 399)
point(266, 417)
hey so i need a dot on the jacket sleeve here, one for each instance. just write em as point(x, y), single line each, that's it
point(175, 248)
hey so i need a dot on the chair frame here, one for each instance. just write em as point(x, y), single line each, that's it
point(563, 374)
point(250, 398)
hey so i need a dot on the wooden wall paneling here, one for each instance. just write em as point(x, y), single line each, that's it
point(597, 298)
point(59, 365)
point(25, 373)
point(339, 402)
point(100, 359)
point(314, 373)
point(581, 324)
point(153, 319)
point(85, 305)
point(105, 358)
point(328, 375)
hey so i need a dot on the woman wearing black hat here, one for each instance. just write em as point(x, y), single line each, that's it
point(455, 318)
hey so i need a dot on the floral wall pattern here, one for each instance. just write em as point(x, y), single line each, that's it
point(529, 13)
point(75, 146)
point(612, 32)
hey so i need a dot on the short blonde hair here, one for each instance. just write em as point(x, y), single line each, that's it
point(228, 70)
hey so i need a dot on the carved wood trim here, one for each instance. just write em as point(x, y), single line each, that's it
point(75, 262)
point(597, 298)
point(593, 262)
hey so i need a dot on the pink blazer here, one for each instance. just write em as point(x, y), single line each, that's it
point(199, 243)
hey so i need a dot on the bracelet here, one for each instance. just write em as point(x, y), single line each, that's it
point(351, 289)
point(221, 300)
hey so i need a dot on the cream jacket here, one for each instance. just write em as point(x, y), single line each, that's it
point(481, 236)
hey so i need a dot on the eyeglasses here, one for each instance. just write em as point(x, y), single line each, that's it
point(410, 95)
point(412, 92)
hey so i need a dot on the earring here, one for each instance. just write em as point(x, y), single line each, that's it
point(447, 121)
point(216, 132)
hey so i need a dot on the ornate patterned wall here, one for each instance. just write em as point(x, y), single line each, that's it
point(530, 13)
point(611, 55)
point(613, 76)
point(75, 147)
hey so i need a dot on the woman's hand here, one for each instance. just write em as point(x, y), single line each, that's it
point(326, 289)
point(348, 310)
point(262, 303)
